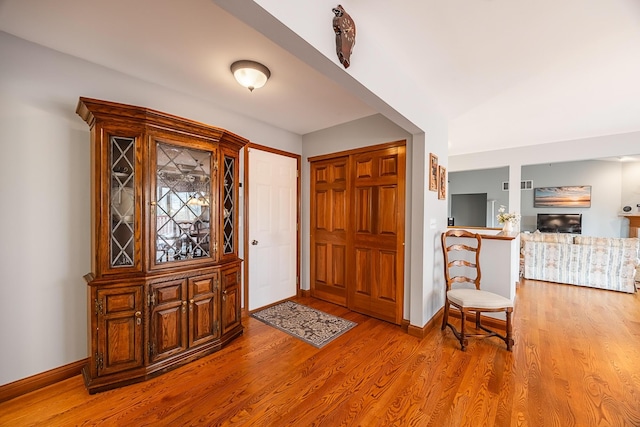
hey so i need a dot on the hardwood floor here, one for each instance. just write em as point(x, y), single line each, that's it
point(576, 362)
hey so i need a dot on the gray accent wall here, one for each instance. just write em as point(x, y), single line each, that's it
point(605, 179)
point(480, 181)
point(613, 185)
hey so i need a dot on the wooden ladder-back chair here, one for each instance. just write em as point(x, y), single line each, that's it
point(462, 275)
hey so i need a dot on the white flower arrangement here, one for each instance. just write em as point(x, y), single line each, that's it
point(504, 216)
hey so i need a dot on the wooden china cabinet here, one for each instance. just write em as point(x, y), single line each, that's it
point(165, 283)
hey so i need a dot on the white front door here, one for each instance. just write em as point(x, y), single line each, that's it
point(272, 229)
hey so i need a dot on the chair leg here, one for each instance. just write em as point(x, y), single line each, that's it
point(509, 332)
point(445, 316)
point(477, 320)
point(463, 337)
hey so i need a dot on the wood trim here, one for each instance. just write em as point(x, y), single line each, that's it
point(273, 304)
point(400, 143)
point(272, 150)
point(499, 236)
point(245, 185)
point(35, 382)
point(434, 322)
point(487, 321)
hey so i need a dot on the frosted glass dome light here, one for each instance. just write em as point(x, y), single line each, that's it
point(250, 74)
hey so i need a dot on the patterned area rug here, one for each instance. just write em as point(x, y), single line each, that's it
point(310, 325)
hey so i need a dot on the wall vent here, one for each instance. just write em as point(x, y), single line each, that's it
point(524, 185)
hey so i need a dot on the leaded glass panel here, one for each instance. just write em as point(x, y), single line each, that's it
point(229, 204)
point(123, 196)
point(183, 198)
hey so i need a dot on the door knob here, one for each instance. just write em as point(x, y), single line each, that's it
point(254, 242)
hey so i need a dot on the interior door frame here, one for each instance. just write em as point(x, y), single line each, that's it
point(245, 187)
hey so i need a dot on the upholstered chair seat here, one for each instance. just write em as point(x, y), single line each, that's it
point(469, 298)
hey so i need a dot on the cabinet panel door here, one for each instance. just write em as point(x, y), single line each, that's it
point(119, 329)
point(229, 209)
point(168, 319)
point(204, 324)
point(119, 184)
point(184, 201)
point(231, 314)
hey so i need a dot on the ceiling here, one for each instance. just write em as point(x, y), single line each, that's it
point(506, 73)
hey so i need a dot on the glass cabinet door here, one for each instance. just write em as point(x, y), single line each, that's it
point(122, 210)
point(229, 207)
point(183, 204)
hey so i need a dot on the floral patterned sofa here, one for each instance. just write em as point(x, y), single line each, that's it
point(597, 262)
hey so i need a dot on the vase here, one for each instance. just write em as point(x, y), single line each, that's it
point(507, 227)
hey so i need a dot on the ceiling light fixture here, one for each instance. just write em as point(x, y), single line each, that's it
point(250, 74)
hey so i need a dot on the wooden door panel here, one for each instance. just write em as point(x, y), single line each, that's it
point(168, 335)
point(364, 271)
point(364, 167)
point(376, 284)
point(363, 210)
point(339, 203)
point(202, 321)
point(203, 309)
point(329, 280)
point(119, 330)
point(387, 210)
point(321, 174)
point(388, 165)
point(231, 316)
point(331, 210)
point(322, 221)
point(339, 171)
point(378, 237)
point(387, 276)
point(360, 264)
point(121, 350)
point(330, 261)
point(329, 225)
point(339, 265)
point(168, 319)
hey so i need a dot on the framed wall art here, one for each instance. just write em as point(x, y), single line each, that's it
point(577, 196)
point(433, 172)
point(442, 183)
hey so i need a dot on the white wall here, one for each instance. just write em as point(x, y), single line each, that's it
point(44, 187)
point(562, 151)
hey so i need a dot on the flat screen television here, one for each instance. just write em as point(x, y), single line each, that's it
point(560, 223)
